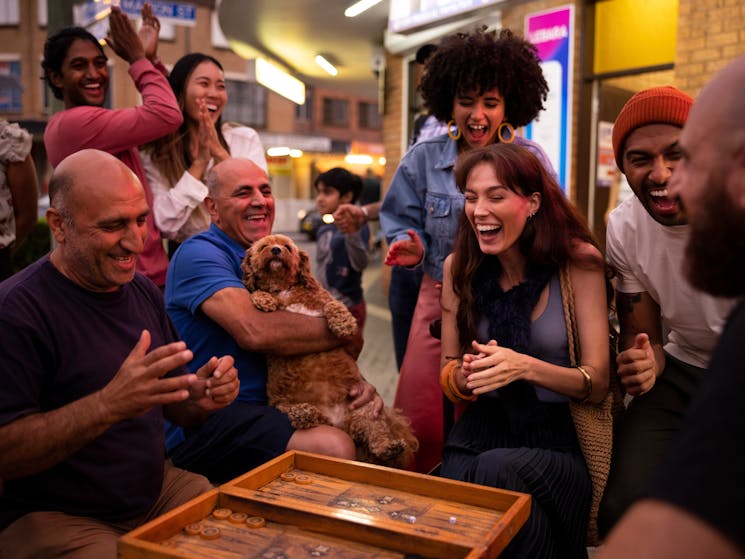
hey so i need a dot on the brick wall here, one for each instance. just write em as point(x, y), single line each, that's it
point(710, 34)
point(393, 117)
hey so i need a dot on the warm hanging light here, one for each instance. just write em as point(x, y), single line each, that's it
point(326, 65)
point(359, 7)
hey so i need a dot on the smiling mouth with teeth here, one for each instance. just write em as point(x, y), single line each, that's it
point(487, 228)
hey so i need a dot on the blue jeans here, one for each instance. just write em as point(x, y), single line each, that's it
point(402, 296)
point(233, 440)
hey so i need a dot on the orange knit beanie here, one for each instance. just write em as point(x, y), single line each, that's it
point(657, 105)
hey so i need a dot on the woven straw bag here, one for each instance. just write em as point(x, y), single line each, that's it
point(593, 422)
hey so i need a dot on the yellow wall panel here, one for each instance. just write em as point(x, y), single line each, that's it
point(634, 34)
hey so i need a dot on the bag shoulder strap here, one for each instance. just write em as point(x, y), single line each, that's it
point(567, 299)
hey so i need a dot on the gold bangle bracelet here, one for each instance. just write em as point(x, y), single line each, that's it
point(588, 383)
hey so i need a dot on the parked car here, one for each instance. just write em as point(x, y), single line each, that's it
point(310, 221)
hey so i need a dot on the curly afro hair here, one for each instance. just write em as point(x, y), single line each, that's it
point(481, 61)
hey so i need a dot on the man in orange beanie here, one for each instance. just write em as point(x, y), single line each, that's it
point(668, 327)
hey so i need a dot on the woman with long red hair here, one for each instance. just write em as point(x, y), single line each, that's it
point(505, 347)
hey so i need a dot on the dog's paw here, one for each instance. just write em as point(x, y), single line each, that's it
point(341, 322)
point(387, 451)
point(304, 416)
point(264, 301)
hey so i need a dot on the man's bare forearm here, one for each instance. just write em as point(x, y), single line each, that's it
point(39, 441)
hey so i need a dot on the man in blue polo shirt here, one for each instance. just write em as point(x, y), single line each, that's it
point(212, 311)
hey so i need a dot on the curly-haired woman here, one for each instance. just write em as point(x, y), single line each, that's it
point(484, 84)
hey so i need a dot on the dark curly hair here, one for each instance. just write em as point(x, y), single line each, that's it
point(481, 61)
point(55, 51)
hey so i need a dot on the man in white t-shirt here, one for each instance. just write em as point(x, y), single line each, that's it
point(668, 328)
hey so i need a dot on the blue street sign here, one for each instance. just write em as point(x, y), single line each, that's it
point(175, 13)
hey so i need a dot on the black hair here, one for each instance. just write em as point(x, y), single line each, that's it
point(184, 67)
point(341, 180)
point(171, 153)
point(480, 61)
point(424, 52)
point(55, 51)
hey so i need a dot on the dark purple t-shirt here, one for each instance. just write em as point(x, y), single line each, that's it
point(58, 343)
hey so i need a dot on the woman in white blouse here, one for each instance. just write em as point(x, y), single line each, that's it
point(177, 164)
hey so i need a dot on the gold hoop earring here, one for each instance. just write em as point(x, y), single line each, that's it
point(456, 136)
point(501, 137)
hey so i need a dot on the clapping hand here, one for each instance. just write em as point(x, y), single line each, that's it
point(217, 384)
point(122, 37)
point(149, 32)
point(492, 367)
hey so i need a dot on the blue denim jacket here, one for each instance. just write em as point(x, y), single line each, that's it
point(422, 196)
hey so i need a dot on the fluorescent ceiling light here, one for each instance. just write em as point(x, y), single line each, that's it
point(326, 65)
point(279, 151)
point(359, 7)
point(276, 79)
point(282, 151)
point(358, 159)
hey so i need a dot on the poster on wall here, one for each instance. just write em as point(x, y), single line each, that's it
point(11, 90)
point(552, 33)
point(606, 168)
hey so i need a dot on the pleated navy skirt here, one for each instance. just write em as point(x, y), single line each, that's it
point(539, 456)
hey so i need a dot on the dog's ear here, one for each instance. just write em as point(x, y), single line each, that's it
point(249, 279)
point(304, 277)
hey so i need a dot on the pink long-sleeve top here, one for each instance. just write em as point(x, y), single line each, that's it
point(120, 132)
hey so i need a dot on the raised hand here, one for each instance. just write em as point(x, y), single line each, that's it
point(406, 252)
point(636, 366)
point(217, 151)
point(139, 384)
point(149, 32)
point(203, 133)
point(123, 38)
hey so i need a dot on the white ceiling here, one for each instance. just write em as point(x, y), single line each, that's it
point(293, 32)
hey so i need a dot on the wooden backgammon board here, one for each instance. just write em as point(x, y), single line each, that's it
point(305, 506)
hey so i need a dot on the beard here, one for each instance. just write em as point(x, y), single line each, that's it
point(715, 254)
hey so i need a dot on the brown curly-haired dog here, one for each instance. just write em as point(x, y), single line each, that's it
point(313, 389)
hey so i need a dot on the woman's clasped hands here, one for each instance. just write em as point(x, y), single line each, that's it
point(492, 367)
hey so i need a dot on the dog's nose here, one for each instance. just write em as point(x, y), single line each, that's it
point(276, 250)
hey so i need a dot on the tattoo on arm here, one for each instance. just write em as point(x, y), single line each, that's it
point(625, 302)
